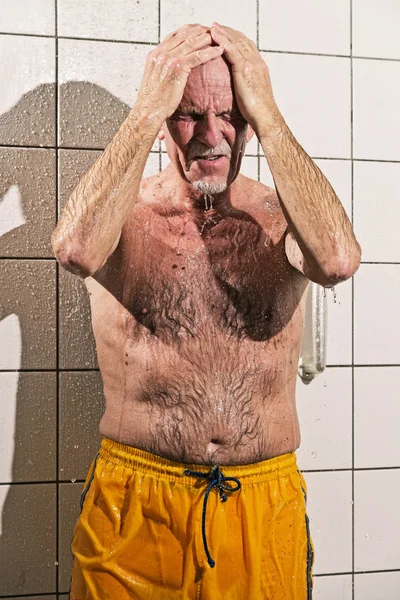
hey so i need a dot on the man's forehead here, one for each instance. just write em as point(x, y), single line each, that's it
point(209, 82)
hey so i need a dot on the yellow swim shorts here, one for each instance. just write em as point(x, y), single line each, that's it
point(152, 528)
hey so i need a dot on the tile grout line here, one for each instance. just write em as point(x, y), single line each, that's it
point(57, 318)
point(140, 42)
point(352, 306)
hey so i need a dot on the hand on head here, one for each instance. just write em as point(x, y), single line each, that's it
point(168, 67)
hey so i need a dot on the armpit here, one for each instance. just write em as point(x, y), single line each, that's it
point(294, 254)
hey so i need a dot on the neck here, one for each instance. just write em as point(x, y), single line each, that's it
point(202, 203)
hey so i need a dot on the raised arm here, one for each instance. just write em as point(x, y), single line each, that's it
point(90, 226)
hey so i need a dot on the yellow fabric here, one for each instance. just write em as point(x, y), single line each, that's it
point(139, 534)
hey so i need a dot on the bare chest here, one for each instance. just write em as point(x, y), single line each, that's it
point(233, 276)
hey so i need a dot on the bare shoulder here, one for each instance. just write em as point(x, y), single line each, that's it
point(262, 202)
point(110, 276)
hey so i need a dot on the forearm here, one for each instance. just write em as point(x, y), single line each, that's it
point(97, 209)
point(313, 211)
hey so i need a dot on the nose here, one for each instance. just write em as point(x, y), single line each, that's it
point(209, 130)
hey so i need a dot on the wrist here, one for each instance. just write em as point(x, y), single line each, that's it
point(268, 120)
point(146, 120)
point(270, 131)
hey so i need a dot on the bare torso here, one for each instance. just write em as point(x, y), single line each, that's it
point(198, 330)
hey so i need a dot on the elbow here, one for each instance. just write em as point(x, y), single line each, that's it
point(343, 269)
point(70, 258)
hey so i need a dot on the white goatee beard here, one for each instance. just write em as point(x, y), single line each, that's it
point(209, 188)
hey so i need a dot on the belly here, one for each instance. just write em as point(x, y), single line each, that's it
point(181, 435)
point(211, 400)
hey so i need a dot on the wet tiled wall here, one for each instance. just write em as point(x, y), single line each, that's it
point(69, 72)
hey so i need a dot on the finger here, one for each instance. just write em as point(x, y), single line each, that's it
point(239, 48)
point(200, 57)
point(229, 32)
point(183, 29)
point(177, 37)
point(231, 52)
point(193, 43)
point(235, 37)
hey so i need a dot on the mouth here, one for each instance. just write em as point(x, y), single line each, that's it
point(210, 160)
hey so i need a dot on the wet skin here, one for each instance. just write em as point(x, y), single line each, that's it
point(198, 314)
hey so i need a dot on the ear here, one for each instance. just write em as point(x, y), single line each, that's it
point(249, 134)
point(161, 134)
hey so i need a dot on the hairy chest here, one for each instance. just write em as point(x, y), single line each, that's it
point(230, 276)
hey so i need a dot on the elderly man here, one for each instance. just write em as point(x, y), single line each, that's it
point(197, 280)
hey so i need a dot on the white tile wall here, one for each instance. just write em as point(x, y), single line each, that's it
point(376, 417)
point(152, 165)
point(249, 167)
point(376, 314)
point(377, 203)
point(325, 414)
point(375, 28)
point(305, 26)
point(10, 342)
point(252, 146)
point(3, 497)
point(28, 16)
point(313, 94)
point(18, 77)
point(377, 586)
point(117, 68)
point(376, 97)
point(330, 512)
point(376, 519)
point(335, 587)
point(175, 13)
point(135, 21)
point(8, 409)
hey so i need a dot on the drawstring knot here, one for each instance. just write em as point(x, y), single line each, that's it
point(217, 479)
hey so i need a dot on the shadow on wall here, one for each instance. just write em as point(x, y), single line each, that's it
point(89, 118)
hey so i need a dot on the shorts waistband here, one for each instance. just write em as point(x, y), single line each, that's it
point(158, 466)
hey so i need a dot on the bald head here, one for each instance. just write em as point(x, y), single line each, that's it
point(209, 83)
point(218, 68)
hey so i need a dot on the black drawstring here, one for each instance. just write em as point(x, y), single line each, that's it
point(217, 479)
